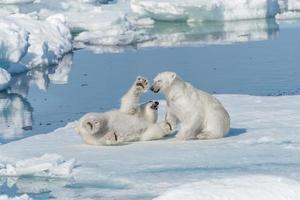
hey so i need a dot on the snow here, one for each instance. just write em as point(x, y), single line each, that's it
point(262, 151)
point(4, 78)
point(217, 10)
point(237, 188)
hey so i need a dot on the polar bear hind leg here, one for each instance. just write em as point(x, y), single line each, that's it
point(217, 126)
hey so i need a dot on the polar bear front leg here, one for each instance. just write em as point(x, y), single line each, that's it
point(130, 101)
point(171, 120)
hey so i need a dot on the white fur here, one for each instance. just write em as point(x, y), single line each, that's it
point(132, 122)
point(200, 114)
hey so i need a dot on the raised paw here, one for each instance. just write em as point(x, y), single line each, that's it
point(141, 83)
point(154, 105)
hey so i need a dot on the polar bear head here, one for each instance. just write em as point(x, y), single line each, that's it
point(92, 128)
point(163, 81)
point(149, 111)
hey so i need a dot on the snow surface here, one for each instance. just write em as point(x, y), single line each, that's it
point(263, 146)
point(236, 188)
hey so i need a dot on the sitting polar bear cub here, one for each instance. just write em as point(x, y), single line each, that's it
point(200, 114)
point(132, 122)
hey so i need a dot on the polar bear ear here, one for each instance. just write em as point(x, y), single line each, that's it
point(173, 76)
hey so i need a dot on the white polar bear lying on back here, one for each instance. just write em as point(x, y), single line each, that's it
point(132, 122)
point(200, 114)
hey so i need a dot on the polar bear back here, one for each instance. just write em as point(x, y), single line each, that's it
point(125, 125)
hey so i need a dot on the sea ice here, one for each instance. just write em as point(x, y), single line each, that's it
point(261, 151)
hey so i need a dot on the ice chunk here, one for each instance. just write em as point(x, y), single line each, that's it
point(207, 10)
point(48, 41)
point(13, 41)
point(181, 34)
point(4, 78)
point(289, 5)
point(22, 197)
point(46, 165)
point(15, 1)
point(288, 15)
point(289, 9)
point(243, 187)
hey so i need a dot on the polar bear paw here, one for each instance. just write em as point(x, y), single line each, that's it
point(141, 84)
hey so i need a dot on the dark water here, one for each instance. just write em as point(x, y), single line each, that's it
point(44, 99)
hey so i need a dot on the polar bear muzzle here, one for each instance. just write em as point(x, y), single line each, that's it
point(154, 89)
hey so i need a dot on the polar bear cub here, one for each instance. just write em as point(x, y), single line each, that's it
point(132, 122)
point(200, 114)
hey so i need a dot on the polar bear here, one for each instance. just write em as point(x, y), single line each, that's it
point(200, 114)
point(132, 122)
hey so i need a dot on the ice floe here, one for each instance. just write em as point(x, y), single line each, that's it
point(264, 139)
point(218, 10)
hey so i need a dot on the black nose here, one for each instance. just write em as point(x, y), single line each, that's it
point(152, 88)
point(156, 103)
